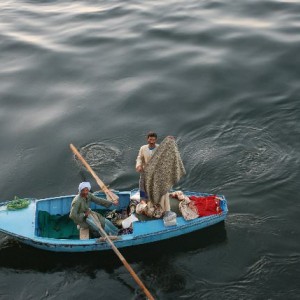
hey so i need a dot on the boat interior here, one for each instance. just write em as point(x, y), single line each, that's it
point(52, 214)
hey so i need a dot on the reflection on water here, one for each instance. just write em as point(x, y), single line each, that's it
point(22, 257)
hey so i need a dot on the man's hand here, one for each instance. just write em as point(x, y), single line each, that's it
point(139, 169)
point(87, 212)
point(115, 202)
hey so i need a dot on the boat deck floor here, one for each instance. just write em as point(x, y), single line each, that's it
point(62, 227)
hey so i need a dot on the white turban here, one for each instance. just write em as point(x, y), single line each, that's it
point(83, 185)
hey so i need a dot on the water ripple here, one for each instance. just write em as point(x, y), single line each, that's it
point(113, 160)
point(236, 155)
point(255, 282)
point(222, 76)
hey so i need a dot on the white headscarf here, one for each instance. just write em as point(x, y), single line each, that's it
point(83, 185)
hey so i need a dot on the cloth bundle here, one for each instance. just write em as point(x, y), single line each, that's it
point(194, 207)
point(150, 210)
point(186, 206)
point(207, 205)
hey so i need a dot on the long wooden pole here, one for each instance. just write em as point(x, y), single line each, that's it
point(121, 257)
point(112, 196)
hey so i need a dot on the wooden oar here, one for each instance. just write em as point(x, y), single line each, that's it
point(114, 198)
point(121, 257)
point(111, 196)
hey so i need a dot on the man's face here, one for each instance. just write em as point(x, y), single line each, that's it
point(151, 140)
point(84, 192)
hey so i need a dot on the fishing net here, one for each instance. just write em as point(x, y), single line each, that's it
point(17, 203)
point(56, 226)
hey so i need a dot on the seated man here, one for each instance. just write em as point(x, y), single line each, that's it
point(80, 209)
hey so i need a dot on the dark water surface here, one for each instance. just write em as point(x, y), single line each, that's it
point(221, 76)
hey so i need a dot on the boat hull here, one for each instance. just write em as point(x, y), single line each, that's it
point(144, 232)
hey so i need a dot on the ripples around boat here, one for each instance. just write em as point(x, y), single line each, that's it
point(223, 77)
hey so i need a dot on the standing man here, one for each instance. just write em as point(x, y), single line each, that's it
point(146, 205)
point(143, 158)
point(160, 167)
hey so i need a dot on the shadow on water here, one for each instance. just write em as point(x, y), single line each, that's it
point(17, 256)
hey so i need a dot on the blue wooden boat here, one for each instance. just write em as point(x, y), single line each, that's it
point(25, 226)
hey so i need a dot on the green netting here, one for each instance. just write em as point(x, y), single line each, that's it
point(56, 226)
point(59, 226)
point(17, 203)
